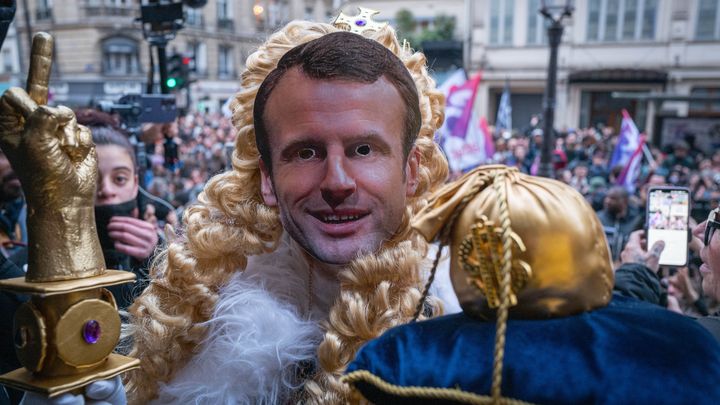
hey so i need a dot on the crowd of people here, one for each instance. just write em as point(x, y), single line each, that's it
point(582, 158)
point(183, 155)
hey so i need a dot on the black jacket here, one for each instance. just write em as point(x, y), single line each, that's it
point(9, 303)
point(637, 281)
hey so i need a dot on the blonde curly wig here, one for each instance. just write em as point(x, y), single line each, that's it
point(230, 222)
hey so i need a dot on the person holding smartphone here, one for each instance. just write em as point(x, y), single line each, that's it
point(710, 269)
point(638, 278)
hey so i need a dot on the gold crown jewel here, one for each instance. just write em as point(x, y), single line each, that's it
point(361, 23)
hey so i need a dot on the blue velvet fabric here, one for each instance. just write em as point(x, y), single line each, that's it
point(629, 352)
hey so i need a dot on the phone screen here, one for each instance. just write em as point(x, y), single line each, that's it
point(668, 211)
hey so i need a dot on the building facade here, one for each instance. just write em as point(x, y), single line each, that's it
point(662, 55)
point(101, 54)
point(667, 51)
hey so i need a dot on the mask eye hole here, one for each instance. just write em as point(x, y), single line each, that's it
point(362, 150)
point(306, 153)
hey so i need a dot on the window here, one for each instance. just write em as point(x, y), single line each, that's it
point(198, 58)
point(194, 17)
point(224, 9)
point(225, 15)
point(120, 56)
point(225, 61)
point(710, 105)
point(7, 65)
point(278, 13)
point(95, 8)
point(621, 20)
point(43, 10)
point(501, 22)
point(708, 20)
point(537, 24)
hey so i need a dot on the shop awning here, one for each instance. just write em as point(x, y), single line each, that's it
point(618, 76)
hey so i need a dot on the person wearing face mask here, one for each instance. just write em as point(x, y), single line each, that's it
point(127, 232)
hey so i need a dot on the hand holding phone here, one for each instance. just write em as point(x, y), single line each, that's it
point(668, 213)
point(636, 251)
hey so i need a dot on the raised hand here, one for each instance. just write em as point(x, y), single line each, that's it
point(635, 253)
point(51, 151)
point(134, 237)
point(57, 165)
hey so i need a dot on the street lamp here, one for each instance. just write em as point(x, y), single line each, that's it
point(554, 13)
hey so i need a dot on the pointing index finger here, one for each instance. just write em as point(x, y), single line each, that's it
point(40, 64)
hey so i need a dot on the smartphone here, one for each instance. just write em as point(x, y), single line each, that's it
point(668, 213)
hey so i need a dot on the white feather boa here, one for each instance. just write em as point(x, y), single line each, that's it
point(262, 327)
point(255, 339)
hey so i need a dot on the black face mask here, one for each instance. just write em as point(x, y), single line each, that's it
point(113, 259)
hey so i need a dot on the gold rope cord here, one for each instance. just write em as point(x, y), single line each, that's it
point(502, 312)
point(444, 239)
point(452, 394)
point(498, 179)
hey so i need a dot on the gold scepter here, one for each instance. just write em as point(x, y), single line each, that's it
point(64, 336)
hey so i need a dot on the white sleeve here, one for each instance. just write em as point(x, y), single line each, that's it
point(442, 286)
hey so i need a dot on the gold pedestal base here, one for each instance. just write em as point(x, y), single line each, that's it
point(24, 380)
point(108, 278)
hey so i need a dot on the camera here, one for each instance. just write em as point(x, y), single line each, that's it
point(136, 109)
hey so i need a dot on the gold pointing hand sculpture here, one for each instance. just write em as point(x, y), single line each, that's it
point(64, 336)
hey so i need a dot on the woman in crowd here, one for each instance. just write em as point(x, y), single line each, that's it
point(127, 232)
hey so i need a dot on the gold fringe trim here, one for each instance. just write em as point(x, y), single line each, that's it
point(452, 394)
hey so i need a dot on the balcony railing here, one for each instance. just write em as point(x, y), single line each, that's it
point(98, 9)
point(225, 24)
point(42, 14)
point(226, 73)
point(195, 21)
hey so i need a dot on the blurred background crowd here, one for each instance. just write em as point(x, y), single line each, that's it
point(183, 155)
point(582, 159)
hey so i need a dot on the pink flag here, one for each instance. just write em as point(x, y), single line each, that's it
point(628, 177)
point(466, 139)
point(628, 152)
point(628, 141)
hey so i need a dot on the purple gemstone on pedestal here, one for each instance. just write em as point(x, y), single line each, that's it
point(360, 23)
point(91, 331)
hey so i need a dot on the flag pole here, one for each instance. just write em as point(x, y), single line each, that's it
point(648, 155)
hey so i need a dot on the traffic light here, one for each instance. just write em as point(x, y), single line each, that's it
point(178, 72)
point(174, 78)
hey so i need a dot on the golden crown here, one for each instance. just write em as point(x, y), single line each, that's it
point(361, 23)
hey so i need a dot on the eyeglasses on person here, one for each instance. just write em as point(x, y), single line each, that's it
point(711, 225)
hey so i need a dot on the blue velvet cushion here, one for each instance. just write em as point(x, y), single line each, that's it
point(629, 352)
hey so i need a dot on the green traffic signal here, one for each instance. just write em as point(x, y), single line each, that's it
point(178, 71)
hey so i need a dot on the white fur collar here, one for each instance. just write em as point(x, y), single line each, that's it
point(262, 328)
